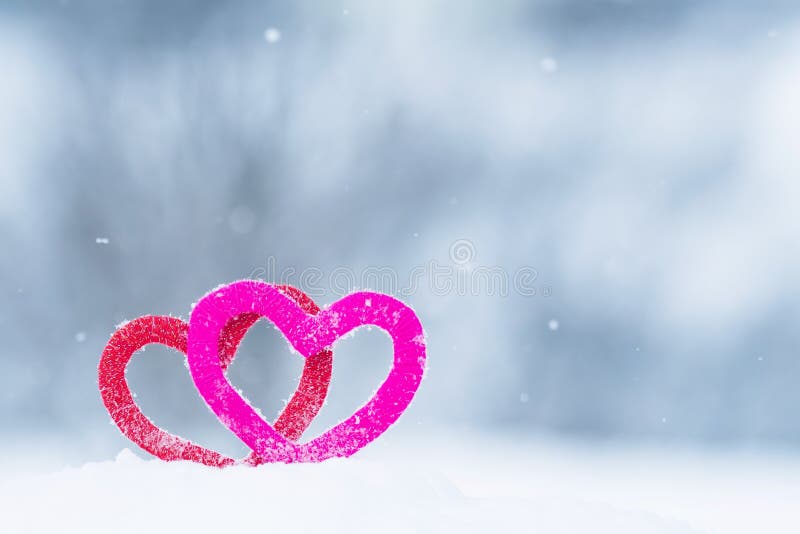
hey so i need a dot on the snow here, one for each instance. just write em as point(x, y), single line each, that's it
point(474, 484)
point(272, 35)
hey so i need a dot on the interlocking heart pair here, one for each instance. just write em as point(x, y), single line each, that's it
point(217, 325)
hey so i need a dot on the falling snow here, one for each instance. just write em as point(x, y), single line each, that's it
point(272, 35)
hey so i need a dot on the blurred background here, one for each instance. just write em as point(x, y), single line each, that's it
point(640, 158)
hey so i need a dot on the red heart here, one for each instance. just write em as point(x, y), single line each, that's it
point(172, 332)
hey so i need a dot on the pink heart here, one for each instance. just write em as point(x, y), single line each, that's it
point(308, 334)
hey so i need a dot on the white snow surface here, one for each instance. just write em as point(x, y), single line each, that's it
point(469, 485)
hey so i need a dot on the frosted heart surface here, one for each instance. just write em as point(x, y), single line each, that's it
point(308, 334)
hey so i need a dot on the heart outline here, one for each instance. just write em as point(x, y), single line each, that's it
point(307, 334)
point(172, 332)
